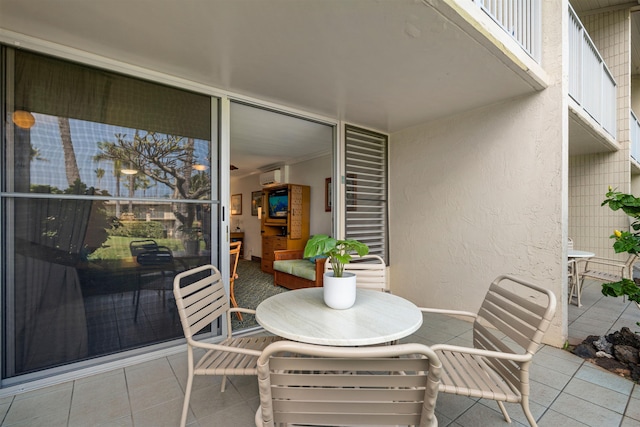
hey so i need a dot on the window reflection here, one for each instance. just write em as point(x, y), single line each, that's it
point(93, 284)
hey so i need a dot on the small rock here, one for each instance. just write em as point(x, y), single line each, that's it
point(601, 353)
point(612, 365)
point(626, 354)
point(586, 351)
point(603, 345)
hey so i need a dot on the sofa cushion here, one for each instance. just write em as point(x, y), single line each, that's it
point(297, 267)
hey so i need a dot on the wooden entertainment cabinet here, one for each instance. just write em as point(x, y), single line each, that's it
point(287, 232)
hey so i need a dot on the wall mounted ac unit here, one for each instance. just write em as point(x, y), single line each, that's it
point(271, 177)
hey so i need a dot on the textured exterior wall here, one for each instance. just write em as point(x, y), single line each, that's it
point(590, 225)
point(483, 194)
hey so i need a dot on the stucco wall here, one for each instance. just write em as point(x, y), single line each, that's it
point(484, 193)
point(476, 196)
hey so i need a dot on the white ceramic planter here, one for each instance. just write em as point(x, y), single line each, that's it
point(339, 292)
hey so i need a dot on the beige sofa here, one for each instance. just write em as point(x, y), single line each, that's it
point(291, 271)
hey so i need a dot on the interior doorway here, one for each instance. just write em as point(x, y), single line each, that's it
point(262, 140)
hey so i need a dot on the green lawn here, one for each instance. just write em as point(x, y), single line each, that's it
point(117, 247)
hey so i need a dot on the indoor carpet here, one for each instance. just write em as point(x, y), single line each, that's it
point(251, 288)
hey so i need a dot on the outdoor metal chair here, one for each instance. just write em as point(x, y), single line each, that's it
point(306, 384)
point(370, 271)
point(602, 269)
point(497, 368)
point(201, 300)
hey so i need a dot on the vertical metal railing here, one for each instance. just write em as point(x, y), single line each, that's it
point(634, 136)
point(519, 18)
point(591, 84)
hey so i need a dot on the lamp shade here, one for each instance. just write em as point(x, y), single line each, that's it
point(23, 119)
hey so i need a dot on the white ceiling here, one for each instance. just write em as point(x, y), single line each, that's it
point(386, 65)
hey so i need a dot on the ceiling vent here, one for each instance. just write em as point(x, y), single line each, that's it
point(271, 177)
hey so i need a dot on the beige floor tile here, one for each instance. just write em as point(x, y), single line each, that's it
point(601, 377)
point(481, 415)
point(149, 372)
point(207, 401)
point(235, 416)
point(633, 409)
point(51, 418)
point(33, 404)
point(629, 422)
point(167, 414)
point(586, 412)
point(96, 402)
point(597, 395)
point(556, 419)
point(144, 396)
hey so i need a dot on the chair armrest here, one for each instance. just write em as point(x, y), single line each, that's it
point(220, 347)
point(288, 254)
point(236, 310)
point(601, 261)
point(449, 312)
point(320, 269)
point(520, 358)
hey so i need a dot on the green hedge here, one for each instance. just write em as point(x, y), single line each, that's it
point(143, 229)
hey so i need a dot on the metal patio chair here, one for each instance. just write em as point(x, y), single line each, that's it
point(306, 384)
point(201, 300)
point(497, 368)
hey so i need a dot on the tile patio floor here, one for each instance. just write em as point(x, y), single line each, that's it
point(566, 391)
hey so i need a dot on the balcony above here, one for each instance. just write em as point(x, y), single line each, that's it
point(387, 65)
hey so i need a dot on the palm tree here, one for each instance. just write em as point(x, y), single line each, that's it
point(99, 174)
point(70, 162)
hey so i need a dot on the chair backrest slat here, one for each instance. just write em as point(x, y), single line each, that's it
point(307, 384)
point(201, 301)
point(522, 320)
point(370, 271)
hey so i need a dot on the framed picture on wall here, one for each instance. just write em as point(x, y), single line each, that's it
point(256, 202)
point(236, 204)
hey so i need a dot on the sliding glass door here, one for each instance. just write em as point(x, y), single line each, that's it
point(110, 187)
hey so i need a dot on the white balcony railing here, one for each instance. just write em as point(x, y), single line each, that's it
point(634, 128)
point(520, 19)
point(591, 84)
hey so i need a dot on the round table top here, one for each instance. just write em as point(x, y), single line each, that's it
point(572, 253)
point(375, 318)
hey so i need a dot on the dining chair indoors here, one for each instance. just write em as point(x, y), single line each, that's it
point(306, 384)
point(201, 300)
point(234, 257)
point(370, 271)
point(507, 331)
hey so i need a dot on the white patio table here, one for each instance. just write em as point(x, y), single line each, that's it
point(375, 318)
point(574, 254)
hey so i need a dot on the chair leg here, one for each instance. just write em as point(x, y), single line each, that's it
point(185, 405)
point(504, 411)
point(579, 290)
point(527, 413)
point(234, 303)
point(224, 383)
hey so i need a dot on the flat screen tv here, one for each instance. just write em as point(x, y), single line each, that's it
point(278, 203)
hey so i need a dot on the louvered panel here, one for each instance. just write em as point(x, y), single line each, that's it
point(366, 191)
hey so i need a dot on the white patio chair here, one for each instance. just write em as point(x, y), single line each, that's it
point(370, 271)
point(201, 300)
point(497, 368)
point(306, 384)
point(605, 270)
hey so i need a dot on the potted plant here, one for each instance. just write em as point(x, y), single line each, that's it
point(339, 286)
